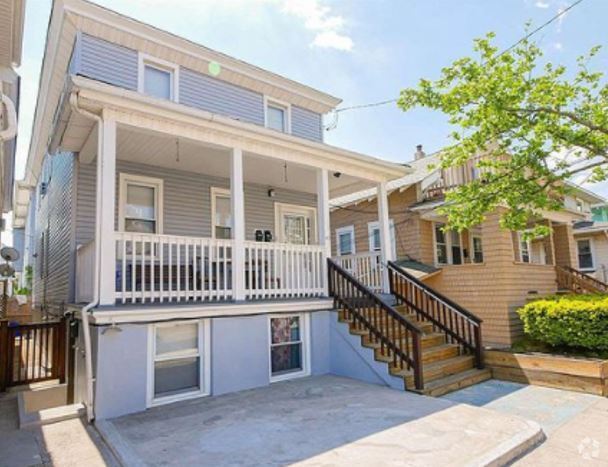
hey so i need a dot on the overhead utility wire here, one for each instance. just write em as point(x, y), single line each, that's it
point(559, 14)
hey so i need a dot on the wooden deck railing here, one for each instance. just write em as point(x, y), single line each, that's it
point(576, 281)
point(399, 338)
point(365, 267)
point(460, 326)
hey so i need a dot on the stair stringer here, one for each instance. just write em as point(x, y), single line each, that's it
point(351, 359)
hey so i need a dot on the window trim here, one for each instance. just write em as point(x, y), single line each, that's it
point(204, 355)
point(346, 229)
point(282, 208)
point(160, 64)
point(217, 191)
point(448, 245)
point(156, 183)
point(271, 101)
point(305, 340)
point(373, 225)
point(592, 251)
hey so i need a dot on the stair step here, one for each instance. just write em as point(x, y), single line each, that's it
point(427, 341)
point(437, 370)
point(457, 381)
point(425, 326)
point(429, 354)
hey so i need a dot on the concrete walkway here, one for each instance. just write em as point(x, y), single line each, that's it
point(63, 444)
point(576, 424)
point(322, 420)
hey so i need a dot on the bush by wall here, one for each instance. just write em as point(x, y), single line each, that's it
point(568, 320)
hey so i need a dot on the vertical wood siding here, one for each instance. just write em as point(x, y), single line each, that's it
point(117, 65)
point(186, 202)
point(54, 216)
point(306, 124)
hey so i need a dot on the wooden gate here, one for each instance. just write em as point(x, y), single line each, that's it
point(30, 353)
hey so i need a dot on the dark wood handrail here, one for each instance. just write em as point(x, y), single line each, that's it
point(384, 324)
point(458, 308)
point(459, 325)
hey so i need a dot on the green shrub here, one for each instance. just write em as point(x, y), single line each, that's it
point(568, 320)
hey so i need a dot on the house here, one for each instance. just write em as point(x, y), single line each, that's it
point(487, 270)
point(592, 248)
point(11, 36)
point(176, 203)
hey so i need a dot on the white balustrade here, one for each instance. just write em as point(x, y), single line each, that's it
point(365, 267)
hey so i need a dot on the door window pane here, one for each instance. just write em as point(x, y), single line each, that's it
point(345, 243)
point(585, 257)
point(275, 117)
point(376, 239)
point(295, 229)
point(157, 82)
point(223, 216)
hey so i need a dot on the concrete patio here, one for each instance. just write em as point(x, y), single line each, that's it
point(320, 421)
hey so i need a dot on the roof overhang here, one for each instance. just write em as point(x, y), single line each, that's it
point(11, 32)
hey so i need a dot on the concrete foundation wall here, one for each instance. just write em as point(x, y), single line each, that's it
point(239, 360)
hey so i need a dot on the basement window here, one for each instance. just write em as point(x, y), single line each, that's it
point(288, 346)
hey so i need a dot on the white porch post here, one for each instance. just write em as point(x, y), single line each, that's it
point(323, 221)
point(386, 251)
point(106, 200)
point(237, 201)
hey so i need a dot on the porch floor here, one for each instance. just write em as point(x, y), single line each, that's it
point(323, 420)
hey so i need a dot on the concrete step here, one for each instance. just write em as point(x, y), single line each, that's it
point(437, 370)
point(456, 381)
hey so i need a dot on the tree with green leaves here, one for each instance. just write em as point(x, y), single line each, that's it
point(552, 124)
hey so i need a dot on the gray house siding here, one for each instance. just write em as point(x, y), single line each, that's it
point(306, 124)
point(213, 95)
point(53, 265)
point(186, 201)
point(117, 65)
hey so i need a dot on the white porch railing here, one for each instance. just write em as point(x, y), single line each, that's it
point(169, 268)
point(280, 270)
point(365, 267)
point(85, 268)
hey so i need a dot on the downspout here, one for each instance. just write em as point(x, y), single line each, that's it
point(11, 115)
point(84, 311)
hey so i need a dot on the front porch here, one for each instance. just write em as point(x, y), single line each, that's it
point(208, 211)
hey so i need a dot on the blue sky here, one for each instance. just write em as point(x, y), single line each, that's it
point(359, 50)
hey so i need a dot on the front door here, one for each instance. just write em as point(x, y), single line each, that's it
point(296, 224)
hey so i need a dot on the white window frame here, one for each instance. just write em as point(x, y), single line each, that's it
point(528, 244)
point(154, 62)
point(272, 102)
point(215, 192)
point(592, 250)
point(342, 230)
point(472, 237)
point(155, 183)
point(304, 339)
point(281, 209)
point(371, 226)
point(203, 354)
point(448, 244)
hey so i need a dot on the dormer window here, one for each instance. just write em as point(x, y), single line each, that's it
point(158, 78)
point(277, 116)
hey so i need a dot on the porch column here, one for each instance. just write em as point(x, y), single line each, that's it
point(323, 221)
point(386, 252)
point(237, 201)
point(106, 202)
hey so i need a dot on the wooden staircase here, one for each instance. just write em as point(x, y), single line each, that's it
point(425, 339)
point(570, 280)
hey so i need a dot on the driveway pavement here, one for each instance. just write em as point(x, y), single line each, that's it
point(322, 420)
point(576, 424)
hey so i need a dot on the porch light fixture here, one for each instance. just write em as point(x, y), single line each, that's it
point(271, 192)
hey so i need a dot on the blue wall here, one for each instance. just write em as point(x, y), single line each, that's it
point(117, 65)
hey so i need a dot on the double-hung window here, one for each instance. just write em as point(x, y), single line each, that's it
point(477, 247)
point(373, 232)
point(158, 78)
point(585, 254)
point(288, 346)
point(278, 116)
point(448, 245)
point(345, 240)
point(441, 244)
point(524, 249)
point(140, 204)
point(179, 363)
point(222, 213)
